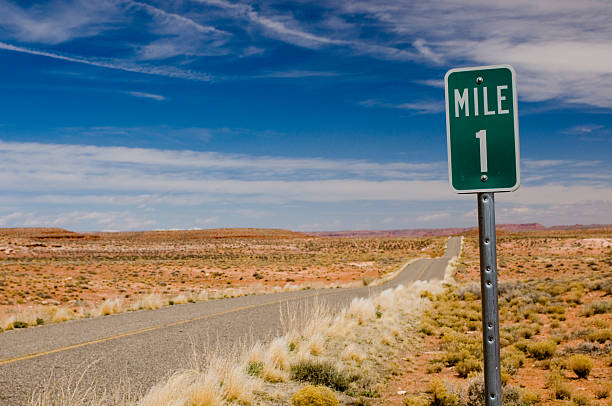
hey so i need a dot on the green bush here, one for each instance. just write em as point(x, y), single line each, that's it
point(581, 365)
point(542, 349)
point(320, 373)
point(20, 324)
point(314, 396)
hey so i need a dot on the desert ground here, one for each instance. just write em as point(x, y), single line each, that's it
point(555, 289)
point(45, 270)
point(555, 297)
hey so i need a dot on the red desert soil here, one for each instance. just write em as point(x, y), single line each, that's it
point(49, 266)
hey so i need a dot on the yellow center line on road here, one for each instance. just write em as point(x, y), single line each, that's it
point(177, 323)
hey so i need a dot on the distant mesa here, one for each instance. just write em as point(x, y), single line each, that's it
point(437, 232)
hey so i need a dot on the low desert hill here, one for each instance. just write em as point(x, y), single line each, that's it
point(59, 233)
point(38, 233)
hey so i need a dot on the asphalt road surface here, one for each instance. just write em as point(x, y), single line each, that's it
point(147, 346)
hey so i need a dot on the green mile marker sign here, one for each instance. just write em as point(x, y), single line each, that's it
point(482, 129)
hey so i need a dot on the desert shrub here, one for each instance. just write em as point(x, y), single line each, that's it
point(559, 388)
point(587, 348)
point(580, 400)
point(542, 349)
point(511, 396)
point(427, 328)
point(603, 392)
point(601, 336)
point(39, 321)
point(530, 398)
point(255, 368)
point(453, 358)
point(468, 365)
point(20, 324)
point(476, 392)
point(512, 360)
point(314, 396)
point(581, 365)
point(441, 395)
point(415, 401)
point(320, 373)
point(522, 345)
point(470, 291)
point(602, 307)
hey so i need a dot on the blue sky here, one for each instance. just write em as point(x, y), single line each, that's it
point(126, 115)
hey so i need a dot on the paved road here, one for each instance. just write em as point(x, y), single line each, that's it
point(148, 345)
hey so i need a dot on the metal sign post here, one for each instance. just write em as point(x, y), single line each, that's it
point(483, 158)
point(488, 287)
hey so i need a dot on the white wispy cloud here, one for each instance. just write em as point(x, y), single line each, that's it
point(58, 22)
point(292, 74)
point(420, 107)
point(147, 95)
point(561, 49)
point(168, 71)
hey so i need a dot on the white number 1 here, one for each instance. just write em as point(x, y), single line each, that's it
point(482, 137)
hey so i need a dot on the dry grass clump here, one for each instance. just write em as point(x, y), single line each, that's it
point(110, 306)
point(61, 314)
point(149, 302)
point(363, 310)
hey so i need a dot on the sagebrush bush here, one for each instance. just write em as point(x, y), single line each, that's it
point(314, 396)
point(581, 365)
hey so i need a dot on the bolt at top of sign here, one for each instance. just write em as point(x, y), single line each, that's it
point(482, 129)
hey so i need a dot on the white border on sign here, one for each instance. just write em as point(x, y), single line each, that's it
point(516, 133)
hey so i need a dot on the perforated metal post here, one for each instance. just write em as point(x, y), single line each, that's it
point(488, 286)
